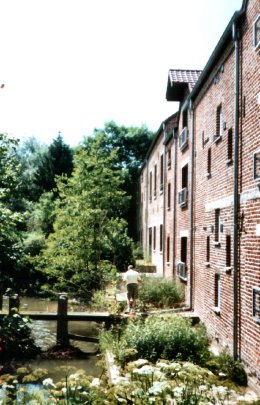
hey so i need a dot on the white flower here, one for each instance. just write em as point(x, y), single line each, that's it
point(221, 390)
point(95, 382)
point(158, 387)
point(222, 374)
point(177, 391)
point(64, 390)
point(48, 382)
point(145, 370)
point(121, 380)
point(203, 388)
point(74, 376)
point(161, 364)
point(158, 374)
point(140, 362)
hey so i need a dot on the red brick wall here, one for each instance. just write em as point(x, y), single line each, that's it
point(214, 191)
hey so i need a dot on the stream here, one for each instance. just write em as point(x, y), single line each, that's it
point(44, 334)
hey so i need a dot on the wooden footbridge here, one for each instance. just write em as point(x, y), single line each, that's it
point(63, 317)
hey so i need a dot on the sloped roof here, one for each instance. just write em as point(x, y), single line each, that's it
point(178, 81)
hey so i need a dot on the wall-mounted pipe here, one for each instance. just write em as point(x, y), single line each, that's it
point(174, 201)
point(164, 193)
point(191, 219)
point(235, 192)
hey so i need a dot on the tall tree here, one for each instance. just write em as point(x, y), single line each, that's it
point(132, 144)
point(10, 218)
point(56, 161)
point(89, 228)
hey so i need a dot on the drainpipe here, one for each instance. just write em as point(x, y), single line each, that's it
point(235, 190)
point(146, 209)
point(174, 200)
point(191, 200)
point(164, 192)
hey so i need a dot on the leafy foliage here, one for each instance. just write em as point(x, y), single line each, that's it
point(131, 144)
point(17, 341)
point(11, 219)
point(88, 229)
point(159, 292)
point(163, 337)
point(224, 365)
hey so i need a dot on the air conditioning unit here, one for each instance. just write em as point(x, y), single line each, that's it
point(183, 138)
point(182, 197)
point(181, 270)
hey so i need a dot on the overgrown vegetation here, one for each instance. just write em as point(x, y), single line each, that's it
point(15, 337)
point(160, 337)
point(159, 292)
point(65, 212)
point(143, 383)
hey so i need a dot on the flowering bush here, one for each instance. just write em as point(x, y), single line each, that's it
point(169, 383)
point(75, 388)
point(163, 383)
point(162, 337)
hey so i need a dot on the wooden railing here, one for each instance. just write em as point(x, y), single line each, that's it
point(63, 317)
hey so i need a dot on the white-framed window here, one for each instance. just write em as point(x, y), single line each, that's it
point(154, 238)
point(161, 238)
point(217, 291)
point(256, 163)
point(256, 33)
point(161, 172)
point(169, 197)
point(256, 304)
point(218, 227)
point(155, 181)
point(219, 123)
point(168, 249)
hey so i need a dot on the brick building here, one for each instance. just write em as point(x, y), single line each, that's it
point(209, 206)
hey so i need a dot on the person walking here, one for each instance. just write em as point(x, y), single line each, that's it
point(131, 278)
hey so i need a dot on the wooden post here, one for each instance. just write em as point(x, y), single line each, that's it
point(14, 302)
point(62, 320)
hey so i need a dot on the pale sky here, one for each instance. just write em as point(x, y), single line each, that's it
point(72, 65)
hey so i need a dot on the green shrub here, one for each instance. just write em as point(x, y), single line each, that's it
point(164, 337)
point(224, 365)
point(17, 341)
point(159, 292)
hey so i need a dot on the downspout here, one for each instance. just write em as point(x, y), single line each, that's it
point(164, 191)
point(146, 209)
point(191, 201)
point(174, 201)
point(235, 191)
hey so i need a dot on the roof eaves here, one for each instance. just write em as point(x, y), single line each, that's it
point(226, 36)
point(156, 136)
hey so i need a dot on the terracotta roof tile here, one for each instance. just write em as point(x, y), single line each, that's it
point(184, 76)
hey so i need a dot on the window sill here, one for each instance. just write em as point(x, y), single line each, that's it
point(216, 310)
point(229, 162)
point(228, 270)
point(217, 139)
point(216, 244)
point(207, 264)
point(256, 319)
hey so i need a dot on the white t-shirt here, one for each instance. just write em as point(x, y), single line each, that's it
point(131, 277)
